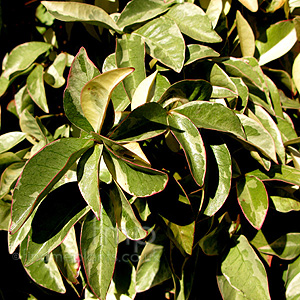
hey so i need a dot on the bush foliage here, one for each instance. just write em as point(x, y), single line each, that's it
point(150, 148)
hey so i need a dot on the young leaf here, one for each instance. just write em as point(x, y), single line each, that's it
point(23, 56)
point(54, 218)
point(292, 280)
point(136, 180)
point(10, 139)
point(138, 12)
point(36, 89)
point(74, 11)
point(95, 96)
point(243, 270)
point(252, 5)
point(191, 141)
point(125, 217)
point(285, 247)
point(279, 38)
point(81, 72)
point(44, 272)
point(246, 36)
point(41, 173)
point(119, 97)
point(88, 177)
point(130, 52)
point(253, 199)
point(213, 116)
point(144, 92)
point(296, 71)
point(146, 121)
point(164, 41)
point(99, 243)
point(193, 22)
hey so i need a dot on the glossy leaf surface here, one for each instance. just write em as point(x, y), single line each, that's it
point(40, 175)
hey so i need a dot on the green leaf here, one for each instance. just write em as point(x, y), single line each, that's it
point(253, 199)
point(9, 176)
point(164, 41)
point(88, 177)
point(56, 215)
point(36, 89)
point(284, 201)
point(243, 93)
point(285, 247)
point(243, 270)
point(275, 97)
point(137, 12)
point(195, 52)
point(130, 52)
point(5, 208)
point(213, 116)
point(270, 125)
point(188, 90)
point(82, 71)
point(41, 173)
point(144, 92)
point(295, 70)
point(10, 139)
point(193, 22)
point(99, 243)
point(258, 136)
point(246, 36)
point(153, 267)
point(217, 191)
point(292, 280)
point(54, 74)
point(74, 11)
point(21, 57)
point(23, 101)
point(66, 256)
point(191, 141)
point(252, 5)
point(146, 121)
point(227, 291)
point(95, 95)
point(125, 217)
point(134, 179)
point(119, 97)
point(279, 173)
point(279, 38)
point(44, 272)
point(4, 83)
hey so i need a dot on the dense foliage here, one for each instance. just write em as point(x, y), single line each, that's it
point(151, 149)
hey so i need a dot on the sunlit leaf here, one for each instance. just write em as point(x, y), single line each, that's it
point(138, 12)
point(95, 96)
point(10, 139)
point(41, 173)
point(164, 41)
point(191, 141)
point(285, 247)
point(99, 242)
point(242, 269)
point(246, 36)
point(253, 199)
point(54, 74)
point(213, 116)
point(36, 89)
point(252, 5)
point(195, 52)
point(278, 40)
point(74, 11)
point(130, 52)
point(82, 71)
point(88, 177)
point(21, 57)
point(193, 22)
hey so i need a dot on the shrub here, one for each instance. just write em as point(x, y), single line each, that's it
point(168, 162)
